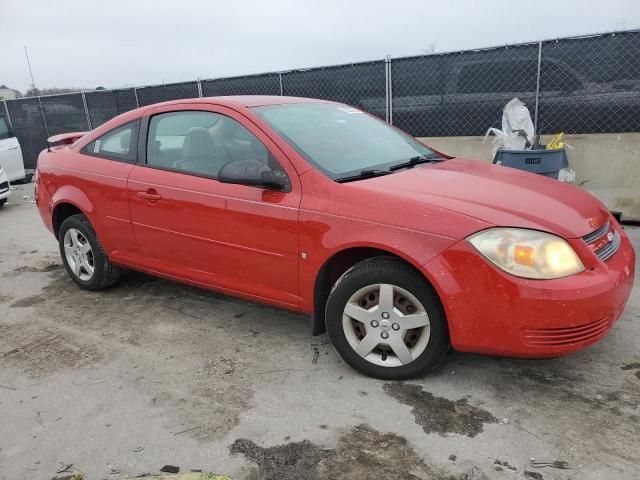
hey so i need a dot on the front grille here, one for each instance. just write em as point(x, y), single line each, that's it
point(4, 186)
point(593, 236)
point(557, 337)
point(604, 241)
point(606, 252)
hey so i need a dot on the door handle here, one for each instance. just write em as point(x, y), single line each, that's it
point(150, 195)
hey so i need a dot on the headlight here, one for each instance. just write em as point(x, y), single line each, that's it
point(527, 253)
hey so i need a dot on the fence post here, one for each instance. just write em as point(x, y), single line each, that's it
point(44, 118)
point(280, 79)
point(199, 88)
point(535, 115)
point(135, 94)
point(86, 110)
point(388, 90)
point(6, 109)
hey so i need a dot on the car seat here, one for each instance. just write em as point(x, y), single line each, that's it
point(199, 153)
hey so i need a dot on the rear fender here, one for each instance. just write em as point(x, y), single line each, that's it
point(73, 196)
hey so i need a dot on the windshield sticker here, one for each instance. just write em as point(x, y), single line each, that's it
point(96, 148)
point(349, 110)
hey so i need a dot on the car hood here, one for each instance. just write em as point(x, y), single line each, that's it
point(501, 196)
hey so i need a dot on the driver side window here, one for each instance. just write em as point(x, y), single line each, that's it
point(201, 143)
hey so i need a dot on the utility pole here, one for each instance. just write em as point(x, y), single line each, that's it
point(33, 82)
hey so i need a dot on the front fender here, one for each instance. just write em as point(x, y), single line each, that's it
point(323, 236)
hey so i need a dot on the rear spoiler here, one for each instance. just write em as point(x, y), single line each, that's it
point(65, 138)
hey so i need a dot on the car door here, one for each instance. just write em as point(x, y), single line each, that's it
point(241, 239)
point(10, 152)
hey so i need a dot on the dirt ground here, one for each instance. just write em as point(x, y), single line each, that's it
point(148, 373)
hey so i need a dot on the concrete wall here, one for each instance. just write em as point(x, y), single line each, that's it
point(606, 165)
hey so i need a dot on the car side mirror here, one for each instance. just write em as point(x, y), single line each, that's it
point(253, 173)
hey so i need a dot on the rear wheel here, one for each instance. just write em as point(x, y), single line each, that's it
point(83, 256)
point(386, 321)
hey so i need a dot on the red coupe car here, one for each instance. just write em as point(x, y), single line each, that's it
point(398, 250)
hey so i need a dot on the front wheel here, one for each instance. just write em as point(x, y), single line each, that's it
point(83, 256)
point(386, 321)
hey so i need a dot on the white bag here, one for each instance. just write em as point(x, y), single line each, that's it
point(515, 119)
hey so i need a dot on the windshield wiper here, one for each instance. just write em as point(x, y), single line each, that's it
point(367, 173)
point(374, 172)
point(413, 161)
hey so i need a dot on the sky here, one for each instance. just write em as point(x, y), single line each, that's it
point(114, 43)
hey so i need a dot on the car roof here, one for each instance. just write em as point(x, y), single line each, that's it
point(245, 100)
point(233, 101)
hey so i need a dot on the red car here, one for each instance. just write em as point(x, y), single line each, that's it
point(398, 250)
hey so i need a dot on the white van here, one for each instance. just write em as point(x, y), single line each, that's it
point(11, 154)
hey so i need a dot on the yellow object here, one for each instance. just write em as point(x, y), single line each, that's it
point(555, 142)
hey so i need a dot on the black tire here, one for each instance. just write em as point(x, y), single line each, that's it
point(392, 271)
point(2, 202)
point(105, 273)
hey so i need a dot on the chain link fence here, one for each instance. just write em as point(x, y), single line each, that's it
point(26, 117)
point(587, 84)
point(591, 84)
point(461, 93)
point(103, 105)
point(266, 84)
point(362, 85)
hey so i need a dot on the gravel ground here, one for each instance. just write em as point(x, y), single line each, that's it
point(148, 373)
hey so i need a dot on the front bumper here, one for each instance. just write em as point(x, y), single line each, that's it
point(490, 311)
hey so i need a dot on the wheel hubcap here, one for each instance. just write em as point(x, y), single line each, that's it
point(79, 255)
point(386, 325)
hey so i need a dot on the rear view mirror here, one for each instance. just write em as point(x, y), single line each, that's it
point(254, 173)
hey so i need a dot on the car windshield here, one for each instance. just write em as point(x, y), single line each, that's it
point(338, 139)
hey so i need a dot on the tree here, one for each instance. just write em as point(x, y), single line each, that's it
point(34, 92)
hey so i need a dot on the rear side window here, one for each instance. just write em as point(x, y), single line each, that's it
point(5, 131)
point(118, 144)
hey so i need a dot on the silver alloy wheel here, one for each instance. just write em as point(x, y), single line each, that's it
point(386, 325)
point(77, 250)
